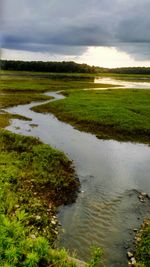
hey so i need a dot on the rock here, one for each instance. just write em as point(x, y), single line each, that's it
point(130, 254)
point(56, 232)
point(53, 222)
point(141, 198)
point(143, 194)
point(133, 261)
point(78, 262)
point(138, 239)
point(148, 196)
point(147, 223)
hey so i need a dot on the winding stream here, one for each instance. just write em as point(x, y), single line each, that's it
point(111, 174)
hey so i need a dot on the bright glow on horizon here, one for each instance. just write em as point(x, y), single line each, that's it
point(110, 57)
point(98, 56)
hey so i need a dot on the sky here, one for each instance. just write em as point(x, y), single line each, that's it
point(107, 33)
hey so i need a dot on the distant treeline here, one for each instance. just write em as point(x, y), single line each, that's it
point(40, 66)
point(63, 67)
point(131, 70)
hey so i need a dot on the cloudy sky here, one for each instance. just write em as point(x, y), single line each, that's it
point(107, 33)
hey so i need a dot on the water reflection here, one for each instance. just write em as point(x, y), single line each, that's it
point(137, 84)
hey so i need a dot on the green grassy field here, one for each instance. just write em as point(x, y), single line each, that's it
point(36, 82)
point(122, 115)
point(118, 114)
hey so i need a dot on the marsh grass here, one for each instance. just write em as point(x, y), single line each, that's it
point(14, 99)
point(34, 179)
point(118, 114)
point(32, 82)
point(6, 117)
point(24, 87)
point(142, 253)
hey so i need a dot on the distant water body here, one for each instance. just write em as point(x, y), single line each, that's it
point(141, 83)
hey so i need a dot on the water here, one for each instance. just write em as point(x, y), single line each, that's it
point(111, 174)
point(142, 83)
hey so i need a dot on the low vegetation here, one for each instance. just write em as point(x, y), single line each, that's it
point(119, 114)
point(8, 100)
point(13, 82)
point(6, 117)
point(34, 180)
point(143, 246)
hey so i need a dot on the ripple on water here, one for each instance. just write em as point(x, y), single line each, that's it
point(108, 223)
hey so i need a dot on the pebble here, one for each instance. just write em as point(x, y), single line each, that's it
point(143, 194)
point(56, 232)
point(53, 222)
point(130, 254)
point(141, 198)
point(133, 261)
point(138, 239)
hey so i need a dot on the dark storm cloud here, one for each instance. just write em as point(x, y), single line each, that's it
point(68, 26)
